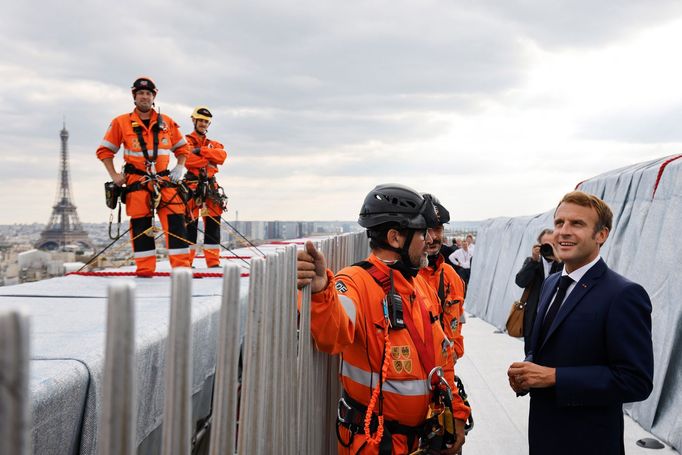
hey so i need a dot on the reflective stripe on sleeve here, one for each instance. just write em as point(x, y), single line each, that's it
point(179, 144)
point(410, 387)
point(348, 306)
point(109, 145)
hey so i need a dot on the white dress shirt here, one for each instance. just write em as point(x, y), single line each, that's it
point(461, 258)
point(546, 266)
point(576, 276)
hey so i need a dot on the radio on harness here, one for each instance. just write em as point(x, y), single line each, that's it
point(112, 194)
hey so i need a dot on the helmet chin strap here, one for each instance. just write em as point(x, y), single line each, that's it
point(404, 264)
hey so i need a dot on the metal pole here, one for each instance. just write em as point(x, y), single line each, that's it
point(290, 318)
point(248, 429)
point(305, 352)
point(117, 428)
point(224, 426)
point(177, 413)
point(269, 341)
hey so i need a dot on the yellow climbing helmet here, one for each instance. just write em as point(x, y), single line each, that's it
point(202, 113)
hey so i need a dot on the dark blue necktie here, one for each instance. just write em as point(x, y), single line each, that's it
point(564, 282)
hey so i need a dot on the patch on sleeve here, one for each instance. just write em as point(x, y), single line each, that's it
point(340, 287)
point(454, 323)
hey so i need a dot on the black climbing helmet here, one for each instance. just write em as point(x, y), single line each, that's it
point(442, 214)
point(398, 205)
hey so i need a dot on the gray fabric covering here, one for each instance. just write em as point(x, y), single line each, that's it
point(67, 317)
point(644, 246)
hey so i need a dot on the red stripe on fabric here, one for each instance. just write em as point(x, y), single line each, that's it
point(660, 172)
point(108, 274)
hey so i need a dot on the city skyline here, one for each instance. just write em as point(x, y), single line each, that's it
point(498, 108)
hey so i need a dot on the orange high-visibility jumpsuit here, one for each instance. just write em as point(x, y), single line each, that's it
point(171, 208)
point(204, 165)
point(347, 317)
point(452, 300)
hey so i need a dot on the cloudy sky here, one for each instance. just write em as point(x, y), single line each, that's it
point(499, 107)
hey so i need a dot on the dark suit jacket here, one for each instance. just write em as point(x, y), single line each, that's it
point(600, 345)
point(532, 274)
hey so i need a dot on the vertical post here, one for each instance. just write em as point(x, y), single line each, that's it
point(304, 364)
point(14, 368)
point(290, 310)
point(332, 393)
point(280, 372)
point(117, 428)
point(224, 425)
point(250, 393)
point(177, 412)
point(269, 340)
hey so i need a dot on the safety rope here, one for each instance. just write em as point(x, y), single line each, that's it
point(241, 235)
point(376, 393)
point(103, 250)
point(248, 264)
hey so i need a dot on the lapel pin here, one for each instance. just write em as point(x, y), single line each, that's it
point(585, 285)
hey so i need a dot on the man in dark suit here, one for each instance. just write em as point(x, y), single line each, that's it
point(590, 348)
point(538, 266)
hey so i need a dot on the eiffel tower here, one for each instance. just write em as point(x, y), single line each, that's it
point(64, 227)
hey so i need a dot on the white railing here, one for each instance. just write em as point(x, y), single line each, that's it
point(289, 390)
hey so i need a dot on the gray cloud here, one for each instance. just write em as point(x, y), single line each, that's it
point(582, 23)
point(291, 81)
point(658, 126)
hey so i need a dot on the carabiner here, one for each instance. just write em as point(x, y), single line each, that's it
point(439, 372)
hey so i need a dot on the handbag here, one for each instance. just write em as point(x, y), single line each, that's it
point(515, 319)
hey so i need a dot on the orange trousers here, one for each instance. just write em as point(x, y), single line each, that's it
point(211, 219)
point(171, 210)
point(359, 445)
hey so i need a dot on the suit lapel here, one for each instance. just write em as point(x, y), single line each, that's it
point(582, 287)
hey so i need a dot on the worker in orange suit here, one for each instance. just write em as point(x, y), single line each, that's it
point(382, 317)
point(208, 198)
point(445, 281)
point(148, 139)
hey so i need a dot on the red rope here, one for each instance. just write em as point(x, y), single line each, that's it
point(660, 172)
point(195, 274)
point(283, 242)
point(225, 257)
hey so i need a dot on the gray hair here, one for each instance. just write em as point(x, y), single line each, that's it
point(544, 232)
